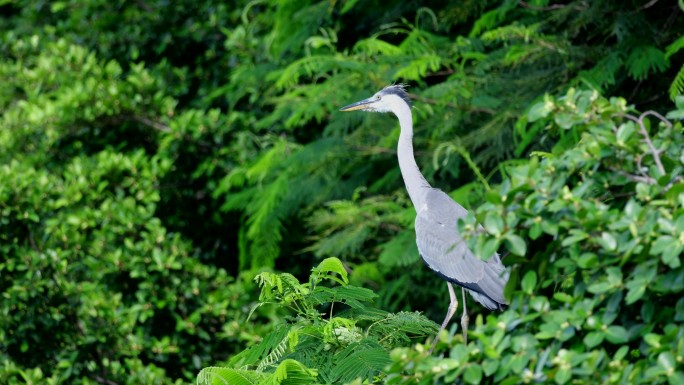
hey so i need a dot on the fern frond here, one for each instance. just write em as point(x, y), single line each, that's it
point(281, 285)
point(314, 65)
point(265, 224)
point(492, 18)
point(604, 72)
point(255, 354)
point(675, 47)
point(418, 68)
point(375, 46)
point(349, 295)
point(227, 376)
point(677, 86)
point(274, 355)
point(362, 360)
point(401, 250)
point(645, 59)
point(348, 241)
point(512, 32)
point(291, 372)
point(399, 327)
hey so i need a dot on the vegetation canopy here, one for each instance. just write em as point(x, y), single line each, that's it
point(170, 172)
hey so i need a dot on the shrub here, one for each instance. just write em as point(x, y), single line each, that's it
point(94, 286)
point(595, 233)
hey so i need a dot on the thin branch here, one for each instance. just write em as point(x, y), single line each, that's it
point(151, 123)
point(672, 182)
point(637, 178)
point(640, 167)
point(647, 138)
point(657, 115)
point(648, 5)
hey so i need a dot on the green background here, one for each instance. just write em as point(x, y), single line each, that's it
point(155, 156)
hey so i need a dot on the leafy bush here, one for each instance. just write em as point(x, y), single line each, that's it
point(153, 152)
point(94, 285)
point(333, 335)
point(598, 232)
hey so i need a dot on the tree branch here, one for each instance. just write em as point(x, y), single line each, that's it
point(647, 138)
point(151, 123)
point(648, 5)
point(636, 178)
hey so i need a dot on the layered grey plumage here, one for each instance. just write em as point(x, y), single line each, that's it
point(446, 253)
point(439, 242)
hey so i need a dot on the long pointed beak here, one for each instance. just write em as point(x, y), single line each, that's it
point(360, 105)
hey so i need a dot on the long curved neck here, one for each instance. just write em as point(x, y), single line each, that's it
point(413, 179)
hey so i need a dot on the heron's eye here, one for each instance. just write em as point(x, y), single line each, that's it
point(377, 97)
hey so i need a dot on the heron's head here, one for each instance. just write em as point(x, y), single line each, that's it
point(389, 99)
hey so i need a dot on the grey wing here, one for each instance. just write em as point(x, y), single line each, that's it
point(445, 252)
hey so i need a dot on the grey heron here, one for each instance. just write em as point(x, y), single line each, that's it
point(437, 236)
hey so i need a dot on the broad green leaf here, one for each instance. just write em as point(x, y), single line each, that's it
point(667, 361)
point(634, 294)
point(563, 297)
point(652, 339)
point(676, 378)
point(563, 375)
point(540, 110)
point(599, 288)
point(607, 241)
point(490, 367)
point(529, 282)
point(473, 374)
point(577, 236)
point(679, 310)
point(625, 132)
point(516, 244)
point(332, 265)
point(617, 334)
point(593, 339)
point(493, 223)
point(621, 353)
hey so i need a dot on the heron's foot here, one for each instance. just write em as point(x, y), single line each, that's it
point(465, 320)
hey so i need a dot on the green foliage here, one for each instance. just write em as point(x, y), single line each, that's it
point(288, 372)
point(604, 221)
point(333, 330)
point(598, 232)
point(472, 88)
point(94, 285)
point(677, 87)
point(154, 152)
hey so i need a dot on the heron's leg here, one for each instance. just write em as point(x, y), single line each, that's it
point(453, 305)
point(464, 319)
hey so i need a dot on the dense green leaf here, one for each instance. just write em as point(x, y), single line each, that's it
point(529, 282)
point(157, 156)
point(617, 334)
